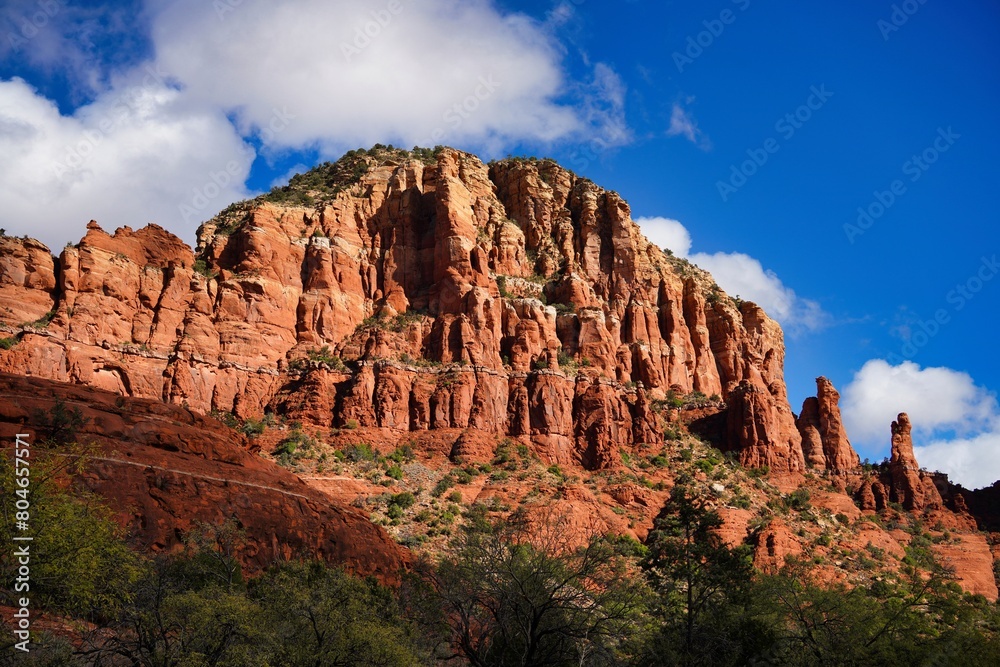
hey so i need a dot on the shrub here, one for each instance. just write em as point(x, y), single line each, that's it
point(252, 428)
point(201, 267)
point(799, 499)
point(402, 454)
point(8, 343)
point(443, 485)
point(361, 451)
point(42, 321)
point(404, 500)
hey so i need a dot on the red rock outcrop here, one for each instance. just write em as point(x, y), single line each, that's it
point(431, 283)
point(752, 418)
point(27, 280)
point(902, 481)
point(909, 486)
point(824, 441)
point(163, 468)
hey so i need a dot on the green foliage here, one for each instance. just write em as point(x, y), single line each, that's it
point(798, 500)
point(8, 343)
point(298, 445)
point(443, 485)
point(325, 356)
point(227, 418)
point(695, 573)
point(201, 267)
point(42, 321)
point(253, 427)
point(403, 454)
point(80, 563)
point(403, 500)
point(502, 287)
point(510, 597)
point(361, 451)
point(674, 399)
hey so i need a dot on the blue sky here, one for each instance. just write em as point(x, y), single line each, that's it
point(744, 134)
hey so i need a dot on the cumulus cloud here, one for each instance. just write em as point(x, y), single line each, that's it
point(744, 276)
point(667, 233)
point(973, 462)
point(136, 155)
point(355, 73)
point(740, 275)
point(956, 422)
point(300, 75)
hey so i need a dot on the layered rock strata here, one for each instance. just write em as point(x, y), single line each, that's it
point(515, 298)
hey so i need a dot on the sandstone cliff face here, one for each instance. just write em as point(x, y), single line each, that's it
point(515, 298)
point(163, 469)
point(27, 280)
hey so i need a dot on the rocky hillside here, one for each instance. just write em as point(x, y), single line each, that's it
point(469, 310)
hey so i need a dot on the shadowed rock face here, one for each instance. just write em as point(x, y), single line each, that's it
point(458, 259)
point(164, 469)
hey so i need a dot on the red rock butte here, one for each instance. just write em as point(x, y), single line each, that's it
point(407, 294)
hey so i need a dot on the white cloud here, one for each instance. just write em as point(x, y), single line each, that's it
point(973, 462)
point(356, 73)
point(956, 423)
point(667, 233)
point(740, 275)
point(302, 74)
point(136, 155)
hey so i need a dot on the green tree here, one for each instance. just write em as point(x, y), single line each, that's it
point(514, 596)
point(702, 585)
point(80, 562)
point(172, 623)
point(919, 619)
point(318, 615)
